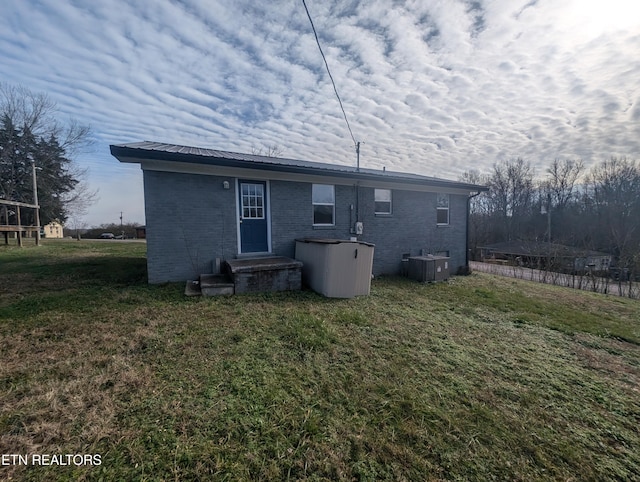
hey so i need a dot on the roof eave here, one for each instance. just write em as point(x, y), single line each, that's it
point(134, 155)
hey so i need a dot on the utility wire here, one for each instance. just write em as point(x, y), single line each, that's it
point(329, 72)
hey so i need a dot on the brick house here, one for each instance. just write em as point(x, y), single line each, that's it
point(204, 204)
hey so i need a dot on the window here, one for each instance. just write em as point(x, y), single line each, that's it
point(323, 198)
point(383, 201)
point(252, 201)
point(442, 216)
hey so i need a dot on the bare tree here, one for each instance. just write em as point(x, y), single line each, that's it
point(612, 198)
point(511, 195)
point(77, 204)
point(271, 150)
point(37, 113)
point(561, 180)
point(558, 195)
point(479, 212)
point(33, 111)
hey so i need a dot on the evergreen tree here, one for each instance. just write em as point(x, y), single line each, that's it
point(30, 134)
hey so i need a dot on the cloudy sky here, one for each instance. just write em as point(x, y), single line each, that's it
point(430, 87)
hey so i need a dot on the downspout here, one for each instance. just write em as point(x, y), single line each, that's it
point(354, 209)
point(466, 251)
point(357, 201)
point(357, 188)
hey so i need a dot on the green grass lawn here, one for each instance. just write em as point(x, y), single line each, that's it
point(480, 378)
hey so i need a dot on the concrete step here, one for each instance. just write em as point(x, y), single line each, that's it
point(192, 288)
point(216, 285)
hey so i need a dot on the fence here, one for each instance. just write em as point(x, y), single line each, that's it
point(6, 227)
point(584, 281)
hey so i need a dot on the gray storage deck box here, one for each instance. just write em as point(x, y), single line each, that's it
point(336, 268)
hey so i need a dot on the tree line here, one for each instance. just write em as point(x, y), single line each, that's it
point(595, 209)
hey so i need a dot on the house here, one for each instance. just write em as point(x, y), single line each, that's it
point(141, 232)
point(556, 257)
point(204, 205)
point(53, 230)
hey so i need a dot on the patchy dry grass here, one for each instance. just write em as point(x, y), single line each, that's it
point(481, 378)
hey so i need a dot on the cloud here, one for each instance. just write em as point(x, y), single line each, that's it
point(430, 87)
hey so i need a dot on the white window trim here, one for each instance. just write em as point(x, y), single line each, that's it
point(448, 209)
point(333, 206)
point(388, 213)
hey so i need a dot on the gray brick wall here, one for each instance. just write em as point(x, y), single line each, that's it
point(412, 229)
point(292, 215)
point(191, 220)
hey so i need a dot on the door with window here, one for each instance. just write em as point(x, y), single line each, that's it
point(253, 217)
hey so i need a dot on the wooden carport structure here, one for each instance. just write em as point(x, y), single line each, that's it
point(18, 228)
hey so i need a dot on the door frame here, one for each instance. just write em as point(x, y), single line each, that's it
point(267, 198)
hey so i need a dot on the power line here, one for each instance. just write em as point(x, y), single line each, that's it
point(329, 72)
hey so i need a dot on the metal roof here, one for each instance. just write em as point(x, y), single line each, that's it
point(147, 150)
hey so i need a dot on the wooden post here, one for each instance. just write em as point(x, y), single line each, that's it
point(6, 219)
point(35, 202)
point(38, 223)
point(19, 227)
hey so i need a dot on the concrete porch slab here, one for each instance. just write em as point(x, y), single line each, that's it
point(275, 273)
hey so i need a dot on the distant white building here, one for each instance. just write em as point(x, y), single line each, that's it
point(53, 230)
